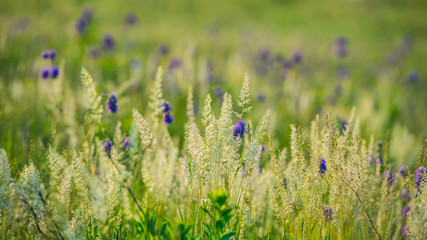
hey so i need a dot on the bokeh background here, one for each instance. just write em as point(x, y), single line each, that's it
point(210, 45)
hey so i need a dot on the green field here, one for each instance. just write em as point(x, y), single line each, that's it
point(340, 81)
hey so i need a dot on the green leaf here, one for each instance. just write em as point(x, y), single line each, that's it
point(228, 236)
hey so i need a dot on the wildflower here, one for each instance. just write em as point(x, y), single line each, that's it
point(219, 93)
point(108, 42)
point(126, 142)
point(322, 167)
point(108, 145)
point(44, 74)
point(166, 107)
point(327, 214)
point(287, 65)
point(163, 49)
point(405, 210)
point(263, 148)
point(297, 57)
point(261, 97)
point(239, 129)
point(389, 175)
point(404, 231)
point(84, 20)
point(49, 54)
point(413, 76)
point(175, 63)
point(168, 118)
point(419, 175)
point(343, 72)
point(263, 54)
point(403, 171)
point(405, 195)
point(341, 47)
point(54, 72)
point(130, 19)
point(112, 103)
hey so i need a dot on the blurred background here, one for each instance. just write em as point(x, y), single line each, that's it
point(303, 57)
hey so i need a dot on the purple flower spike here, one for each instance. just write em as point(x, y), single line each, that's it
point(239, 129)
point(166, 107)
point(263, 148)
point(405, 195)
point(52, 54)
point(175, 63)
point(108, 42)
point(126, 142)
point(163, 49)
point(404, 231)
point(44, 74)
point(322, 167)
point(54, 72)
point(403, 171)
point(130, 19)
point(419, 175)
point(388, 174)
point(405, 210)
point(327, 214)
point(108, 145)
point(168, 118)
point(46, 54)
point(297, 57)
point(112, 103)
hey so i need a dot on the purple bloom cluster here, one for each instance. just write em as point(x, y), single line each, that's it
point(404, 231)
point(297, 57)
point(167, 116)
point(112, 103)
point(405, 210)
point(163, 49)
point(261, 97)
point(341, 47)
point(108, 42)
point(420, 175)
point(327, 214)
point(108, 145)
point(49, 54)
point(126, 142)
point(239, 129)
point(130, 19)
point(405, 195)
point(388, 174)
point(84, 20)
point(403, 171)
point(322, 167)
point(174, 63)
point(52, 72)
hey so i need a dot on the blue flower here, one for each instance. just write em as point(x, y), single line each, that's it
point(388, 175)
point(403, 171)
point(322, 167)
point(49, 54)
point(419, 175)
point(108, 42)
point(341, 47)
point(261, 97)
point(297, 57)
point(126, 142)
point(327, 214)
point(405, 210)
point(166, 107)
point(108, 145)
point(168, 118)
point(239, 129)
point(54, 72)
point(84, 20)
point(44, 74)
point(130, 19)
point(413, 76)
point(163, 49)
point(112, 103)
point(175, 63)
point(404, 231)
point(263, 148)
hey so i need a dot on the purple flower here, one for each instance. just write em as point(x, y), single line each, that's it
point(112, 103)
point(404, 231)
point(166, 107)
point(327, 214)
point(126, 142)
point(44, 74)
point(403, 171)
point(84, 20)
point(239, 129)
point(388, 174)
point(405, 210)
point(261, 97)
point(287, 65)
point(168, 118)
point(130, 19)
point(263, 54)
point(49, 54)
point(419, 175)
point(405, 195)
point(108, 42)
point(163, 49)
point(175, 63)
point(341, 46)
point(343, 72)
point(219, 93)
point(297, 57)
point(107, 147)
point(263, 148)
point(413, 76)
point(54, 72)
point(322, 167)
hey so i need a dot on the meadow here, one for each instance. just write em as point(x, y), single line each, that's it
point(208, 119)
